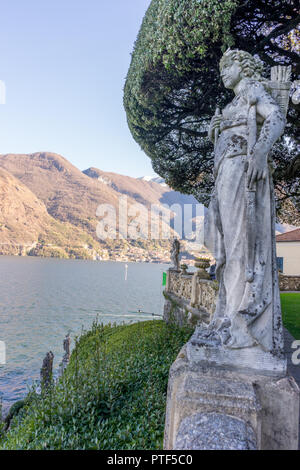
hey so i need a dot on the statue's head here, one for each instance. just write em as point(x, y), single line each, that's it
point(236, 65)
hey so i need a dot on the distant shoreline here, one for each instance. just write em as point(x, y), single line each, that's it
point(87, 259)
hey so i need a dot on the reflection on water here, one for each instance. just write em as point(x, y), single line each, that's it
point(41, 300)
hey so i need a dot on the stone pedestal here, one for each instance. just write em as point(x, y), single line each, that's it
point(212, 407)
point(248, 360)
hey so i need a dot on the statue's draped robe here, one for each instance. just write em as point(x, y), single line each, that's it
point(251, 308)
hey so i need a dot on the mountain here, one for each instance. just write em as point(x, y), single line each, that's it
point(71, 198)
point(145, 190)
point(25, 224)
point(23, 216)
point(48, 208)
point(68, 194)
point(154, 179)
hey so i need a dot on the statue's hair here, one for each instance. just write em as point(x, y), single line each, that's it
point(251, 67)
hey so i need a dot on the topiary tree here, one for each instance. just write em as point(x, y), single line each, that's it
point(173, 84)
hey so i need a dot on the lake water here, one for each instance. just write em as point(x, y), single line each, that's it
point(41, 300)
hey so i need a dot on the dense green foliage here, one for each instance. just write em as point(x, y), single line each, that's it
point(290, 305)
point(112, 395)
point(173, 84)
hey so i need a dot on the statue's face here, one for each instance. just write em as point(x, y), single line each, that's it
point(231, 74)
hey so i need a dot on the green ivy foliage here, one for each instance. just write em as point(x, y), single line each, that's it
point(112, 395)
point(173, 84)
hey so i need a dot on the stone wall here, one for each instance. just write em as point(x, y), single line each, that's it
point(188, 298)
point(287, 283)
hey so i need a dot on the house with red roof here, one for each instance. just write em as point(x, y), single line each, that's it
point(288, 252)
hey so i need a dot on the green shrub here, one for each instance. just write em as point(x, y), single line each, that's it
point(112, 395)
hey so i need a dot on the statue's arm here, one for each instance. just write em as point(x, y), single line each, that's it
point(211, 132)
point(214, 126)
point(273, 121)
point(272, 128)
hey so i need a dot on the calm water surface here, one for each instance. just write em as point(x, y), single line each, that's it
point(41, 300)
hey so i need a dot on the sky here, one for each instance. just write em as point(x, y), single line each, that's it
point(64, 64)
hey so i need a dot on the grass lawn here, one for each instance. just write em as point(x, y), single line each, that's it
point(290, 305)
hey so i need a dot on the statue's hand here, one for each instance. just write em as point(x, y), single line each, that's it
point(257, 169)
point(214, 125)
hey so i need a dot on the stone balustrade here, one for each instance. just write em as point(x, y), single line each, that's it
point(188, 298)
point(289, 283)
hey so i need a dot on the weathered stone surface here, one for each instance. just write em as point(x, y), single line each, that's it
point(175, 253)
point(269, 405)
point(289, 283)
point(180, 311)
point(66, 356)
point(280, 413)
point(240, 226)
point(250, 360)
point(46, 372)
point(214, 431)
point(194, 389)
point(189, 298)
point(230, 381)
point(175, 310)
point(180, 284)
point(202, 295)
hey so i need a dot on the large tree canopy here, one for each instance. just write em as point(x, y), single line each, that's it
point(173, 83)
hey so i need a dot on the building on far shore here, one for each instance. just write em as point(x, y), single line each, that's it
point(288, 252)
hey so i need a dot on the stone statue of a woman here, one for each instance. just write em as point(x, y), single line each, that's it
point(175, 252)
point(241, 228)
point(229, 371)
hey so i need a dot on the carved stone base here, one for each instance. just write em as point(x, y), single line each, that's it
point(249, 360)
point(213, 408)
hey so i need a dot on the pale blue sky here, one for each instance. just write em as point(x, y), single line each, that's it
point(64, 63)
